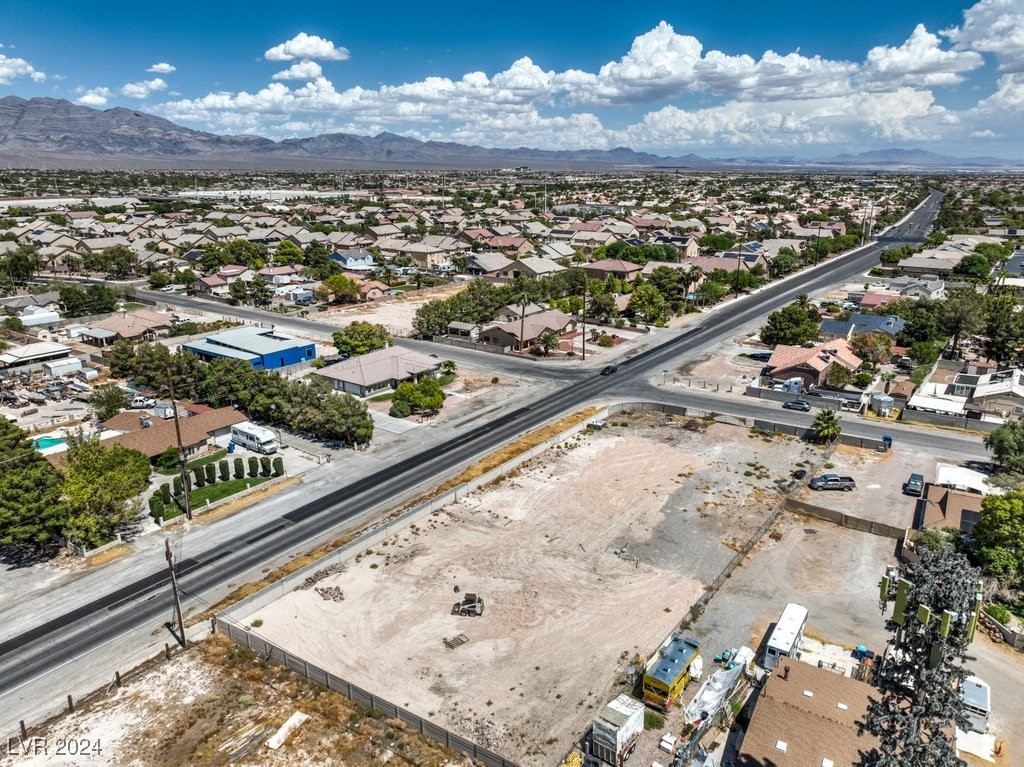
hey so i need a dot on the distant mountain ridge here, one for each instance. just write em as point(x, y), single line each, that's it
point(58, 133)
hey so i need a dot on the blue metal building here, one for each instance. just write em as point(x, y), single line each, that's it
point(260, 347)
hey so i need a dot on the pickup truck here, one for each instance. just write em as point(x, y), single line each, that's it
point(833, 482)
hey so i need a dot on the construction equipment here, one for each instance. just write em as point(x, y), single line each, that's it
point(471, 604)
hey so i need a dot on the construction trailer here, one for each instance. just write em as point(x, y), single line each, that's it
point(787, 636)
point(614, 732)
point(669, 670)
point(977, 702)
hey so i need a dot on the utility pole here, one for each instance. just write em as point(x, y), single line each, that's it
point(583, 318)
point(174, 591)
point(186, 486)
point(522, 324)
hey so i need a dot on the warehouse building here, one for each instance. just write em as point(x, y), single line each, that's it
point(260, 347)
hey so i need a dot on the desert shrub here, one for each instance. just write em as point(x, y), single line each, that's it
point(400, 409)
point(998, 613)
point(605, 342)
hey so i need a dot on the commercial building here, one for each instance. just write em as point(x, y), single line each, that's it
point(262, 348)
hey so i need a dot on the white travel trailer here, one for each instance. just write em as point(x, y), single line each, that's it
point(787, 635)
point(259, 439)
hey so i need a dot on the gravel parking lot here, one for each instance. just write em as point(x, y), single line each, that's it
point(880, 477)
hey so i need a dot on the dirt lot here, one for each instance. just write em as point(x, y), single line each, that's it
point(724, 365)
point(586, 558)
point(396, 315)
point(880, 477)
point(203, 707)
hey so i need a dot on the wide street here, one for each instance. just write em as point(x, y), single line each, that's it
point(116, 613)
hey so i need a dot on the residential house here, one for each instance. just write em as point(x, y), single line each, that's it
point(378, 371)
point(533, 266)
point(522, 333)
point(557, 250)
point(812, 365)
point(511, 244)
point(153, 436)
point(921, 264)
point(355, 260)
point(210, 286)
point(138, 325)
point(513, 312)
point(805, 716)
point(589, 241)
point(940, 507)
point(612, 267)
point(487, 263)
point(281, 275)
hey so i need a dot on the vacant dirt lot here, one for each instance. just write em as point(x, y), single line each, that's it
point(218, 705)
point(586, 559)
point(396, 315)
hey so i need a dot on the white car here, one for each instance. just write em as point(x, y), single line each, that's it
point(143, 402)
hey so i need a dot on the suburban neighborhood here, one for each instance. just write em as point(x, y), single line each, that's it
point(706, 356)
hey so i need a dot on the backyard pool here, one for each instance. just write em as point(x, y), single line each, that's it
point(45, 442)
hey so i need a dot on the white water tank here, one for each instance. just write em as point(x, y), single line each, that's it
point(882, 404)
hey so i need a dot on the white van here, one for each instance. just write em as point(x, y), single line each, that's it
point(976, 702)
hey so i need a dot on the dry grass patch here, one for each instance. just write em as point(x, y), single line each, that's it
point(108, 555)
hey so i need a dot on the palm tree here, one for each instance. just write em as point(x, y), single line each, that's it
point(888, 377)
point(827, 427)
point(448, 367)
point(548, 342)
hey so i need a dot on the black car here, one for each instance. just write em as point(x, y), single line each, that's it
point(607, 370)
point(797, 404)
point(799, 473)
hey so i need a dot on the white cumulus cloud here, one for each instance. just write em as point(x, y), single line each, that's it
point(993, 26)
point(162, 68)
point(141, 90)
point(920, 61)
point(302, 70)
point(12, 68)
point(304, 46)
point(95, 97)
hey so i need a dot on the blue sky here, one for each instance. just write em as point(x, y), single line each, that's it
point(725, 78)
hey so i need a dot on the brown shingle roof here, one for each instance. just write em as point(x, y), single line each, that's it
point(153, 440)
point(813, 728)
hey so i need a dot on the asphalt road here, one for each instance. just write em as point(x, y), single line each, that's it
point(146, 602)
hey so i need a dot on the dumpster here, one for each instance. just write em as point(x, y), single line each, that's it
point(887, 442)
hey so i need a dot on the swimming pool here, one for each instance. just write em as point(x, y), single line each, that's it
point(44, 442)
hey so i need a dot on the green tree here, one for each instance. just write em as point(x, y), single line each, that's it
point(32, 513)
point(99, 299)
point(100, 483)
point(260, 291)
point(791, 325)
point(159, 279)
point(1007, 445)
point(448, 367)
point(238, 291)
point(360, 338)
point(973, 266)
point(962, 314)
point(827, 426)
point(997, 542)
point(107, 400)
point(919, 684)
point(873, 348)
point(21, 263)
point(647, 304)
point(838, 376)
point(344, 288)
point(287, 252)
point(120, 262)
point(72, 300)
point(1004, 330)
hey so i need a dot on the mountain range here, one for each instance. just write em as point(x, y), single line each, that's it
point(57, 133)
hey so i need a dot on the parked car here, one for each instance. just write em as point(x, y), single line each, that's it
point(914, 485)
point(607, 370)
point(799, 473)
point(797, 404)
point(143, 402)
